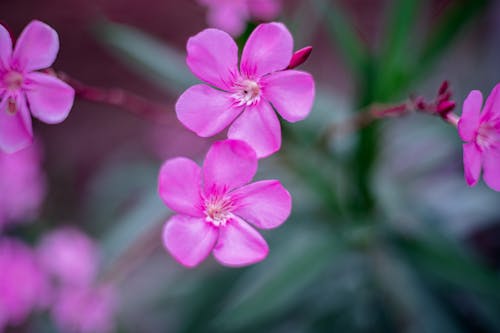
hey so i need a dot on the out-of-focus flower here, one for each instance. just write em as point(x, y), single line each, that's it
point(214, 204)
point(232, 15)
point(481, 132)
point(22, 185)
point(260, 84)
point(49, 98)
point(70, 256)
point(85, 309)
point(23, 286)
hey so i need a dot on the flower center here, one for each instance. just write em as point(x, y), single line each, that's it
point(247, 92)
point(488, 136)
point(13, 80)
point(218, 210)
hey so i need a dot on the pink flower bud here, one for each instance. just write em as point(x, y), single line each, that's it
point(299, 57)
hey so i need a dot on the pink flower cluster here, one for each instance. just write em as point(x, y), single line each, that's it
point(481, 132)
point(232, 15)
point(59, 275)
point(217, 209)
point(23, 89)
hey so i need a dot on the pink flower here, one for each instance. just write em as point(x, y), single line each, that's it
point(49, 98)
point(22, 186)
point(481, 132)
point(23, 286)
point(232, 15)
point(251, 92)
point(85, 309)
point(70, 256)
point(214, 204)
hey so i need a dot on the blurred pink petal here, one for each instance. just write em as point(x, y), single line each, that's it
point(5, 48)
point(190, 240)
point(239, 244)
point(70, 256)
point(260, 128)
point(230, 17)
point(472, 163)
point(228, 164)
point(213, 57)
point(206, 111)
point(50, 99)
point(491, 169)
point(15, 124)
point(22, 186)
point(469, 122)
point(268, 49)
point(491, 110)
point(36, 47)
point(23, 285)
point(264, 9)
point(265, 204)
point(291, 92)
point(178, 185)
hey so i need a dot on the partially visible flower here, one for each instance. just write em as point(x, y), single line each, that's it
point(215, 205)
point(85, 309)
point(23, 285)
point(233, 15)
point(23, 89)
point(481, 132)
point(22, 186)
point(70, 256)
point(251, 92)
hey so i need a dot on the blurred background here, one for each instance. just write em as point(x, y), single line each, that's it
point(385, 236)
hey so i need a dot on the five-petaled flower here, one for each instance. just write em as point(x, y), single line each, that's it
point(260, 84)
point(22, 89)
point(214, 204)
point(481, 132)
point(232, 15)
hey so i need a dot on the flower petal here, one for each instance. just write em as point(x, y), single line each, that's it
point(5, 48)
point(189, 240)
point(268, 49)
point(291, 93)
point(239, 244)
point(50, 99)
point(492, 106)
point(266, 204)
point(206, 111)
point(469, 121)
point(260, 128)
point(16, 132)
point(265, 9)
point(491, 168)
point(36, 47)
point(230, 16)
point(179, 186)
point(213, 57)
point(228, 164)
point(472, 163)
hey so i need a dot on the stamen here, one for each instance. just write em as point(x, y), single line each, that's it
point(487, 136)
point(247, 92)
point(218, 209)
point(11, 106)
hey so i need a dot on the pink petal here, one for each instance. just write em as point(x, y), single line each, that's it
point(260, 128)
point(230, 17)
point(472, 163)
point(491, 168)
point(265, 9)
point(50, 99)
point(492, 106)
point(179, 186)
point(189, 240)
point(291, 93)
point(239, 244)
point(213, 57)
point(268, 49)
point(469, 121)
point(205, 111)
point(16, 132)
point(36, 47)
point(266, 204)
point(228, 164)
point(5, 48)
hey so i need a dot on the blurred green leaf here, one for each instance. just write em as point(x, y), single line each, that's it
point(275, 285)
point(150, 57)
point(343, 34)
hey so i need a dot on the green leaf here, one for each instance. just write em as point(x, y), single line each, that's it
point(343, 35)
point(149, 57)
